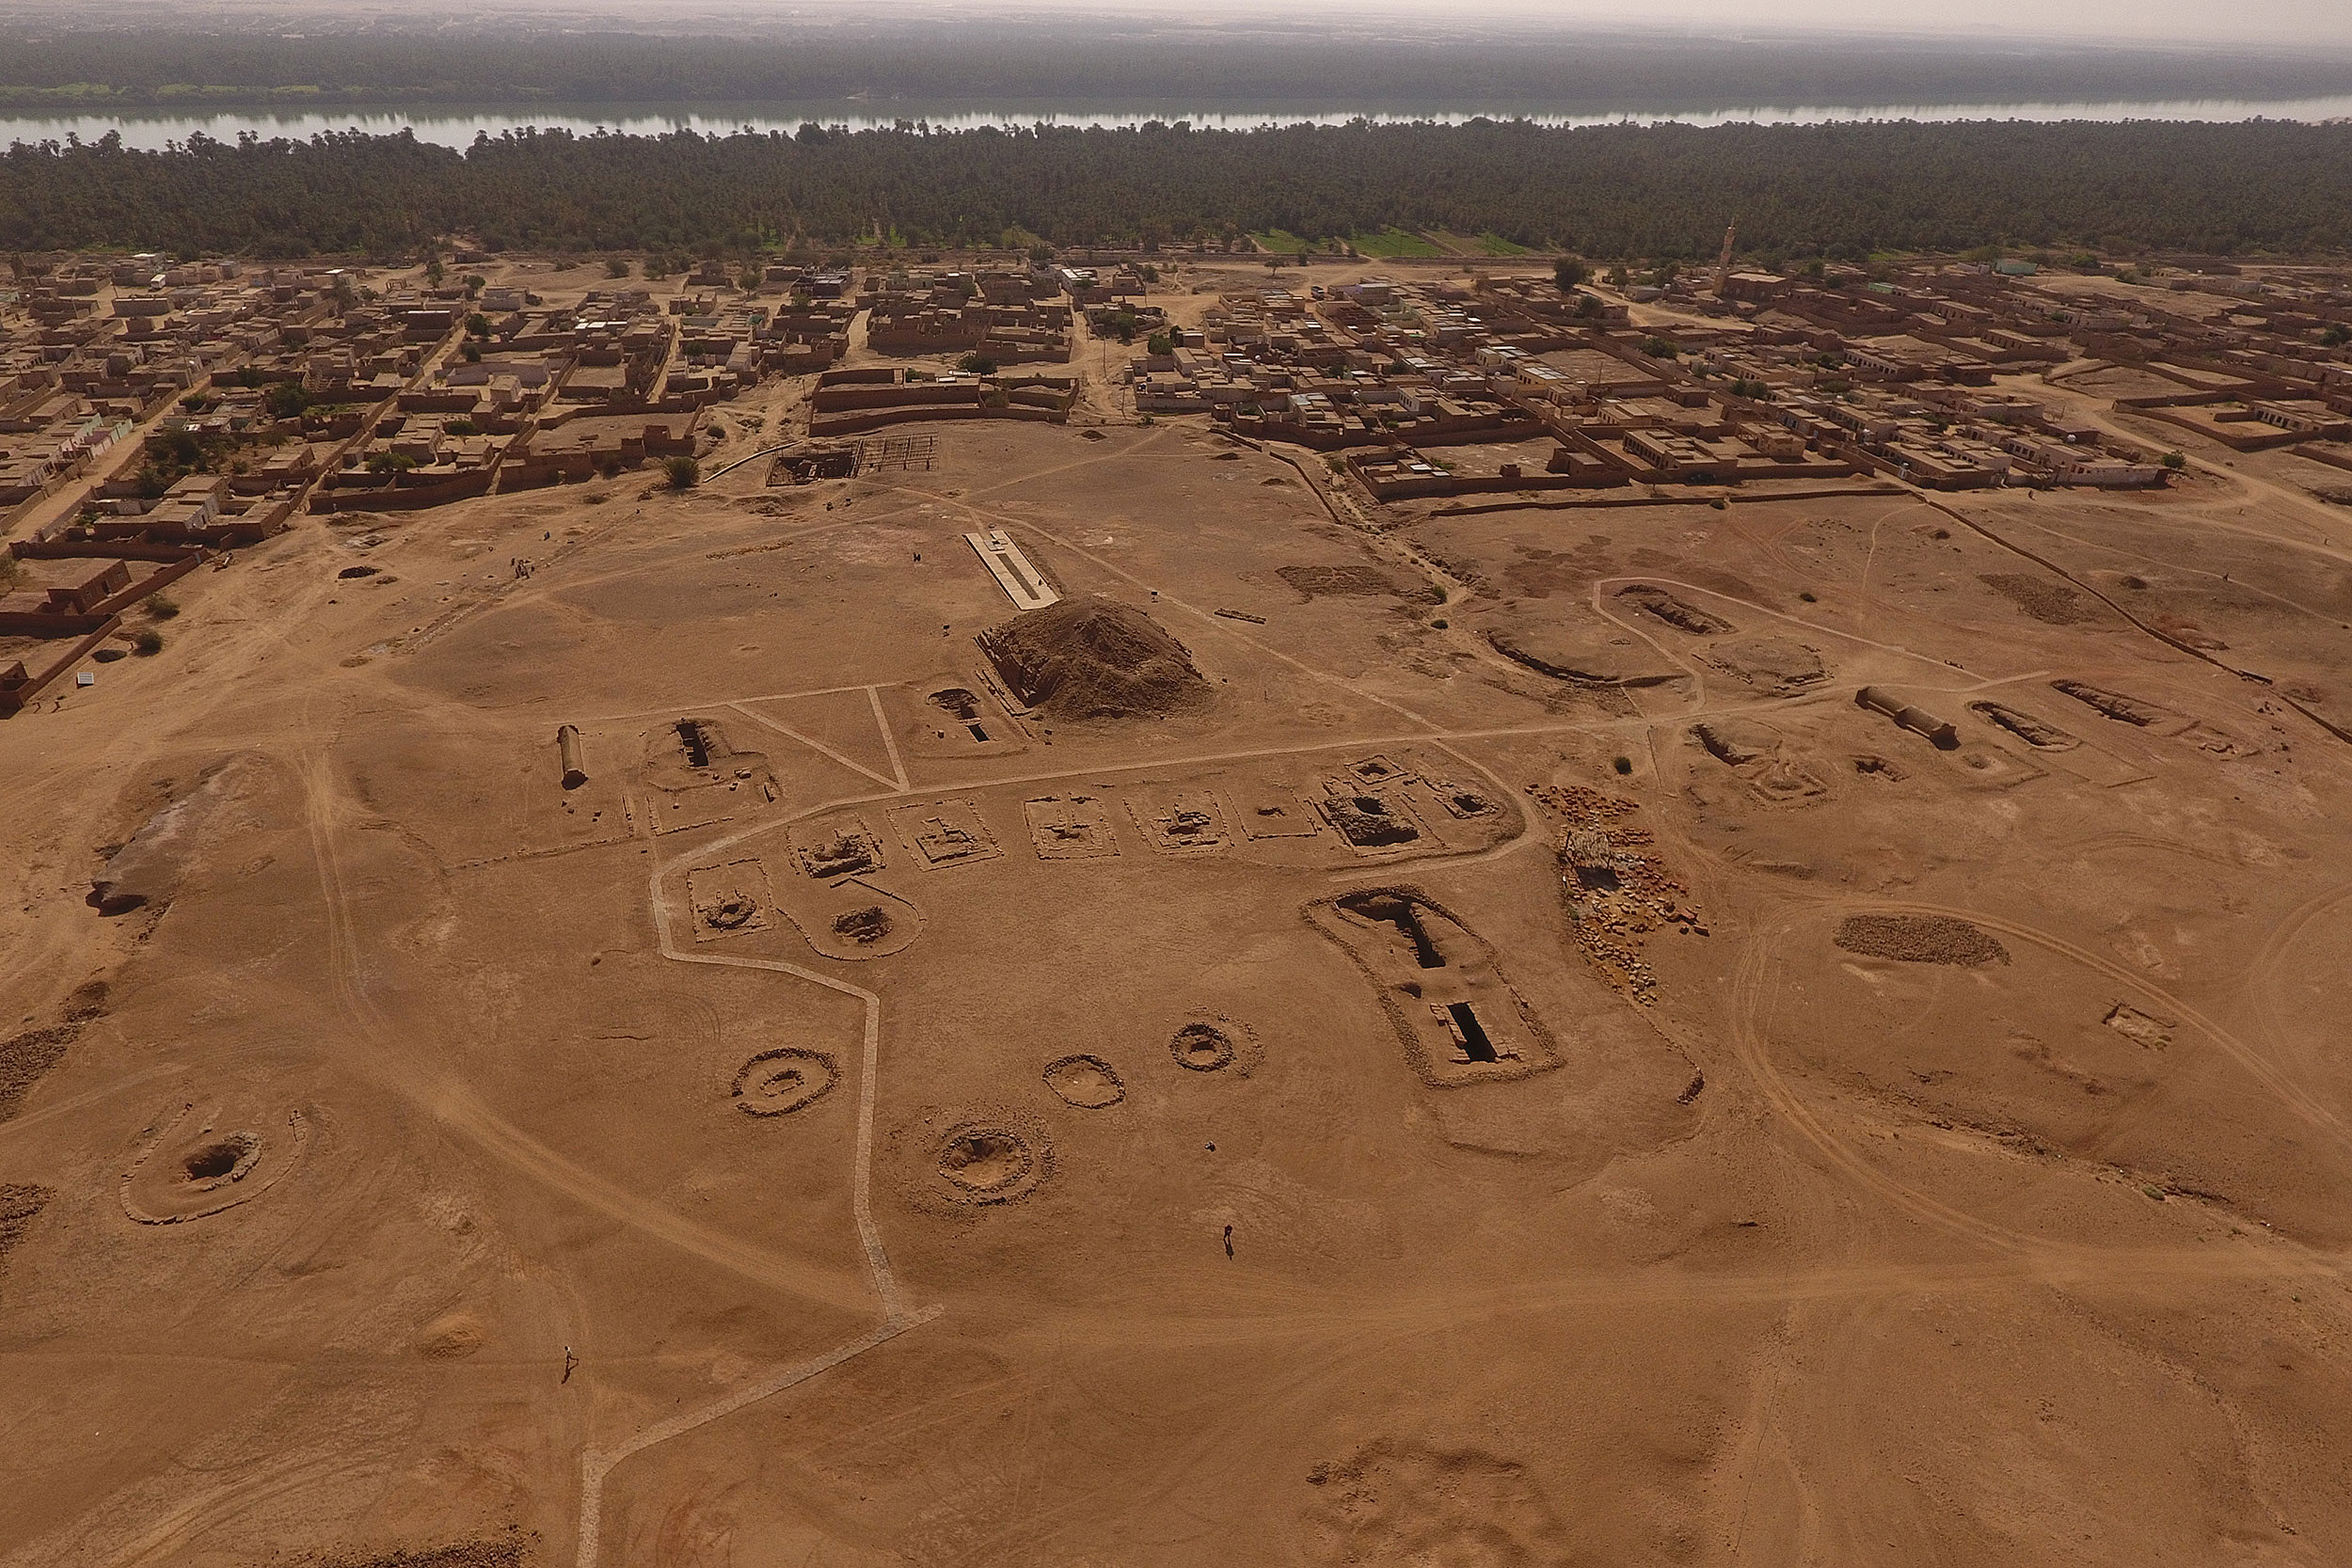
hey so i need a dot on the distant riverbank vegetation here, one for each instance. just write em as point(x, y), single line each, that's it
point(1082, 61)
point(1841, 191)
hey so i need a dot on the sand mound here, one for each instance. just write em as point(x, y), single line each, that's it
point(1092, 658)
point(506, 1551)
point(1919, 939)
point(1563, 655)
point(25, 1059)
point(20, 1205)
point(2052, 603)
point(1770, 664)
point(452, 1336)
point(1400, 1502)
point(150, 868)
point(1359, 582)
point(1736, 742)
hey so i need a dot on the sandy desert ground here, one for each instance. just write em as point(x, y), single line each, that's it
point(1513, 1065)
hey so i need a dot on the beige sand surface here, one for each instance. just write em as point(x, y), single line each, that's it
point(828, 1151)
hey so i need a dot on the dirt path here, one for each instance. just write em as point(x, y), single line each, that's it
point(596, 1464)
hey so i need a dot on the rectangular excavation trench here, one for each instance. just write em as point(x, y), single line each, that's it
point(1390, 909)
point(1475, 1045)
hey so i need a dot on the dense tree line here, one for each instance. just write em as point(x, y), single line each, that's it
point(1078, 61)
point(1606, 191)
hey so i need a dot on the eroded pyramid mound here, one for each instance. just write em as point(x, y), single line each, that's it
point(1092, 658)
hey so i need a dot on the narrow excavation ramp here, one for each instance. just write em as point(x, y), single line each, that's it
point(1021, 583)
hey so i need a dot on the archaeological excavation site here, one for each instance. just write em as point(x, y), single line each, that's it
point(1103, 962)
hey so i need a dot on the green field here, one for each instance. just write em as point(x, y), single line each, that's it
point(1282, 240)
point(1394, 242)
point(1478, 245)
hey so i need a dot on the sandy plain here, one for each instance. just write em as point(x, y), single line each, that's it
point(1889, 1154)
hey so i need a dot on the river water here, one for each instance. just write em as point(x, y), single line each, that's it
point(456, 127)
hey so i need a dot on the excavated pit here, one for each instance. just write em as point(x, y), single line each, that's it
point(1666, 607)
point(777, 1082)
point(845, 854)
point(219, 1160)
point(1388, 908)
point(1086, 1081)
point(2025, 727)
point(2145, 1030)
point(959, 701)
point(2128, 710)
point(1476, 1047)
point(1202, 1048)
point(864, 926)
point(1770, 664)
point(731, 914)
point(987, 1164)
point(197, 1161)
point(1367, 822)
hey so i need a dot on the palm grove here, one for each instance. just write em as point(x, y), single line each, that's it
point(1620, 190)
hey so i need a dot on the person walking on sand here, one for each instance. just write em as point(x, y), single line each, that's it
point(1229, 1240)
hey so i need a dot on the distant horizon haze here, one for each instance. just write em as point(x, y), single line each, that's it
point(2325, 24)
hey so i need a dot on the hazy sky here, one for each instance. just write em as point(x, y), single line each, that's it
point(2146, 21)
point(2272, 23)
point(2189, 24)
